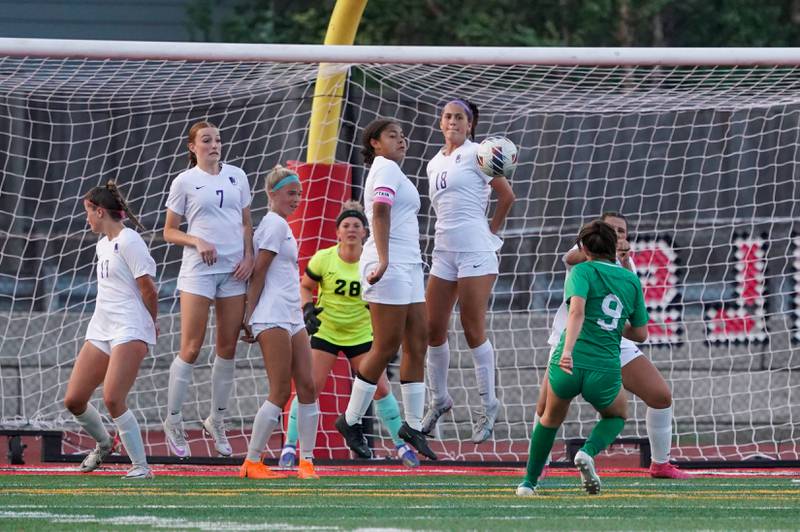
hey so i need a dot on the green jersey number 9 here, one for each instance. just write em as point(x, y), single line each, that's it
point(612, 307)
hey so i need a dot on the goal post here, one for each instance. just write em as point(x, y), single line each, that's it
point(697, 147)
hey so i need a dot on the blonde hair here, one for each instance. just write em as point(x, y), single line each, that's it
point(352, 205)
point(275, 175)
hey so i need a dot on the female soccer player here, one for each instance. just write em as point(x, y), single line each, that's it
point(274, 318)
point(464, 265)
point(214, 197)
point(344, 324)
point(602, 297)
point(121, 328)
point(392, 281)
point(639, 375)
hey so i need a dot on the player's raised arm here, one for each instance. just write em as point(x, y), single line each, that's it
point(465, 264)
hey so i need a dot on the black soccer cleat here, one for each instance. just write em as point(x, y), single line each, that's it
point(417, 440)
point(353, 437)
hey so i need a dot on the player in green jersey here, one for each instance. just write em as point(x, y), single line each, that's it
point(602, 298)
point(340, 322)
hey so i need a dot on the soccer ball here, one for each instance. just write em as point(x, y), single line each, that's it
point(497, 156)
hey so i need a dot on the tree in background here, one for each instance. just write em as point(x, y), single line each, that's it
point(512, 22)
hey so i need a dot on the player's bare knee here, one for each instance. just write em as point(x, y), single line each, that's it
point(660, 401)
point(226, 350)
point(436, 338)
point(474, 331)
point(548, 420)
point(75, 405)
point(475, 339)
point(189, 353)
point(279, 395)
point(306, 392)
point(115, 405)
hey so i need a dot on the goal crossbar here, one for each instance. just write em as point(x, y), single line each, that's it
point(309, 53)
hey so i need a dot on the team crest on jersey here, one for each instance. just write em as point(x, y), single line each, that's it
point(233, 180)
point(116, 247)
point(458, 158)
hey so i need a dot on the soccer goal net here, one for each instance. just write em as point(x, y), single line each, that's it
point(701, 156)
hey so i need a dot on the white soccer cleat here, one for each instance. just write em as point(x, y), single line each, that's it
point(407, 455)
point(288, 456)
point(585, 465)
point(176, 438)
point(526, 489)
point(98, 454)
point(139, 473)
point(484, 426)
point(215, 428)
point(434, 412)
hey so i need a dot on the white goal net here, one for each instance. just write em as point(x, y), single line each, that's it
point(701, 159)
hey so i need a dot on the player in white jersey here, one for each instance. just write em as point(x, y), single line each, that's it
point(273, 317)
point(464, 265)
point(121, 328)
point(639, 375)
point(214, 198)
point(392, 281)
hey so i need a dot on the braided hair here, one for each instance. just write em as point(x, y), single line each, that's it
point(109, 198)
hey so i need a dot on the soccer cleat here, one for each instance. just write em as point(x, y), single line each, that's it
point(484, 426)
point(407, 455)
point(288, 456)
point(215, 428)
point(98, 454)
point(526, 489)
point(305, 470)
point(667, 470)
point(585, 465)
point(435, 411)
point(258, 471)
point(353, 437)
point(139, 473)
point(417, 440)
point(176, 438)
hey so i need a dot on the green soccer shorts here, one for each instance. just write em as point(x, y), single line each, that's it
point(597, 387)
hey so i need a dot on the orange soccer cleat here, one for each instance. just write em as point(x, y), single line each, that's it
point(258, 470)
point(305, 470)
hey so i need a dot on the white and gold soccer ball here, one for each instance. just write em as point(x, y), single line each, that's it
point(497, 156)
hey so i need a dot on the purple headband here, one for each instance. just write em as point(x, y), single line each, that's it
point(461, 103)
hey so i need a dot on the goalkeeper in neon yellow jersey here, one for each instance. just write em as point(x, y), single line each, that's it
point(602, 297)
point(340, 322)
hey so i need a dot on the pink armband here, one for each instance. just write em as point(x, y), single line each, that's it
point(383, 195)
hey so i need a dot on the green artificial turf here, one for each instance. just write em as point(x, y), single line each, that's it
point(430, 503)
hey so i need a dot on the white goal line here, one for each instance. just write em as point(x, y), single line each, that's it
point(312, 53)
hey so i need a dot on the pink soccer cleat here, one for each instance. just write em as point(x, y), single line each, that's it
point(667, 470)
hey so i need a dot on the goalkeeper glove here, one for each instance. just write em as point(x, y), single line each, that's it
point(310, 317)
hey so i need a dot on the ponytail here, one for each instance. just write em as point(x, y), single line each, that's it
point(110, 199)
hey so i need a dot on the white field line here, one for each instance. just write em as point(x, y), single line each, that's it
point(155, 522)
